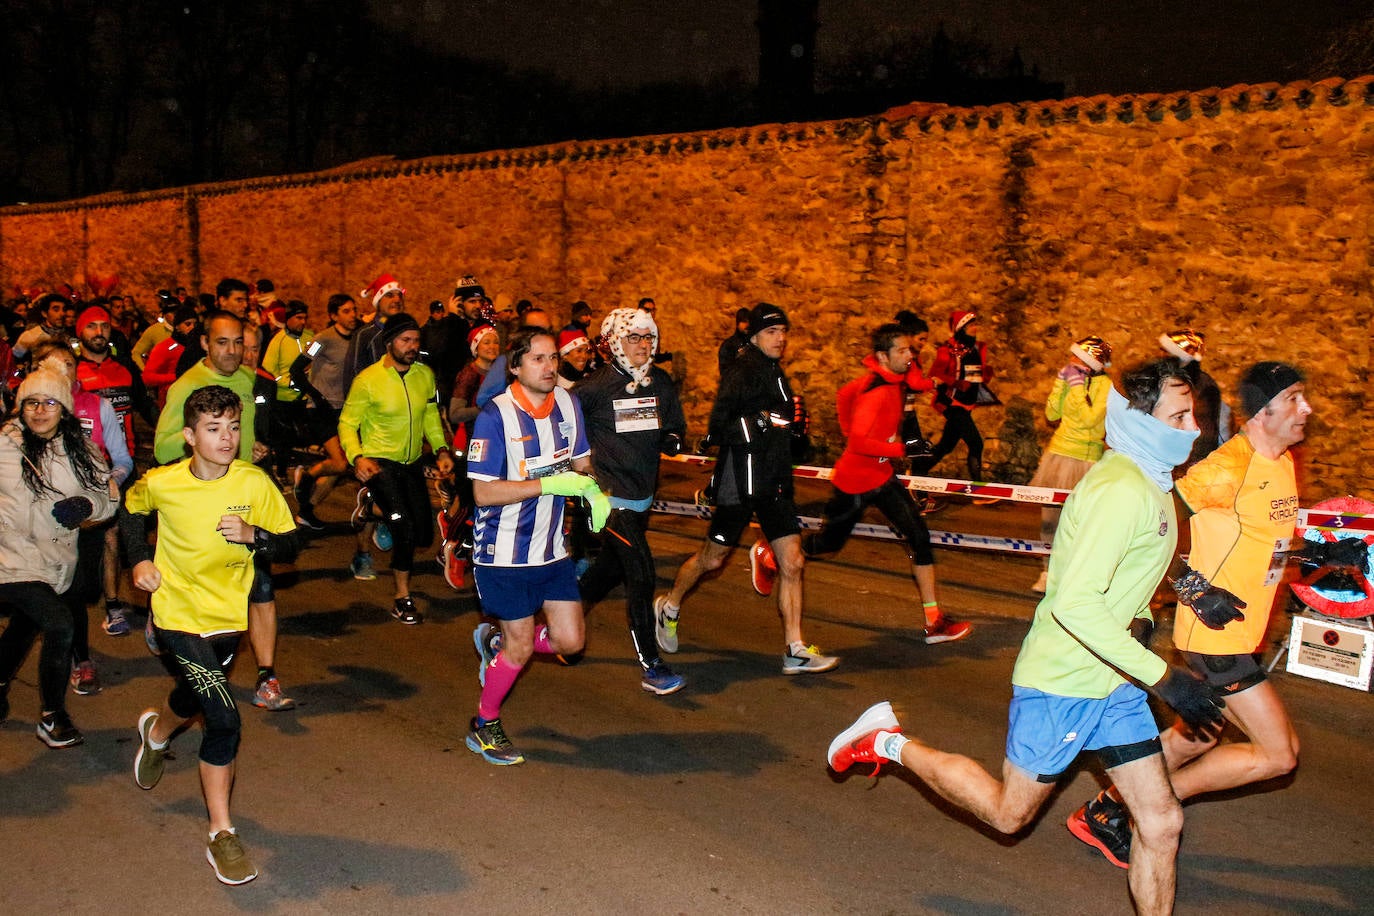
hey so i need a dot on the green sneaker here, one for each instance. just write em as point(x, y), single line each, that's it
point(491, 742)
point(227, 857)
point(149, 761)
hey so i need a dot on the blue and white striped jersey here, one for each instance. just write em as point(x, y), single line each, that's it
point(510, 444)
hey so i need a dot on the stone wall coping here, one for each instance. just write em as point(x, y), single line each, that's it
point(925, 116)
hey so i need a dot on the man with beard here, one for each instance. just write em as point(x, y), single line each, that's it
point(389, 415)
point(100, 372)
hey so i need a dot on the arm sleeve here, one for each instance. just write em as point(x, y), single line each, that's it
point(866, 407)
point(1211, 483)
point(1080, 602)
point(1054, 404)
point(494, 382)
point(133, 522)
point(351, 418)
point(102, 506)
point(433, 425)
point(724, 426)
point(112, 431)
point(168, 444)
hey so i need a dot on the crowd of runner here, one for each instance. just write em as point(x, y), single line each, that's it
point(531, 449)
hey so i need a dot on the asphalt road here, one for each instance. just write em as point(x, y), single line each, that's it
point(714, 800)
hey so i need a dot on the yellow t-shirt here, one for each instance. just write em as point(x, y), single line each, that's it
point(1246, 508)
point(205, 579)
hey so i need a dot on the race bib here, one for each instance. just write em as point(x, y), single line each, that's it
point(546, 466)
point(635, 414)
point(973, 373)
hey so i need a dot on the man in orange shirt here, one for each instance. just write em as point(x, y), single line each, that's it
point(1244, 497)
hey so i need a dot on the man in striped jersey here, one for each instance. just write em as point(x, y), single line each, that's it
point(528, 451)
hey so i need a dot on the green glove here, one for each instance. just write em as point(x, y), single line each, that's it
point(600, 505)
point(568, 483)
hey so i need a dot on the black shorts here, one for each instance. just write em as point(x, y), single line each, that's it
point(777, 517)
point(322, 424)
point(1228, 673)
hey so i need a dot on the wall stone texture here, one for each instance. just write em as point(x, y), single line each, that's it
point(1246, 213)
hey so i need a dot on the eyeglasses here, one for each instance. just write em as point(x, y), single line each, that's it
point(639, 338)
point(33, 405)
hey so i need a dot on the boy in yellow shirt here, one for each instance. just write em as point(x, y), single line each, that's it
point(216, 512)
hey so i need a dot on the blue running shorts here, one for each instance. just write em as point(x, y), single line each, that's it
point(1046, 732)
point(517, 592)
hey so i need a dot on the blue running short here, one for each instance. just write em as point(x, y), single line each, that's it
point(1046, 732)
point(517, 592)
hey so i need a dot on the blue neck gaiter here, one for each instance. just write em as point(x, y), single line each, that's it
point(1156, 447)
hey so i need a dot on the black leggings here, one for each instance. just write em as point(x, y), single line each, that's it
point(202, 670)
point(34, 608)
point(959, 426)
point(844, 510)
point(625, 557)
point(401, 495)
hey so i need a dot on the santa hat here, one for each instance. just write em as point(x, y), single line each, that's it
point(1185, 344)
point(44, 383)
point(960, 320)
point(379, 287)
point(94, 313)
point(571, 340)
point(476, 334)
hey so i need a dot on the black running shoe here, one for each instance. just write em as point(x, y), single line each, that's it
point(1105, 825)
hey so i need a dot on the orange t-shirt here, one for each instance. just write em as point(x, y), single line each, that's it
point(1246, 507)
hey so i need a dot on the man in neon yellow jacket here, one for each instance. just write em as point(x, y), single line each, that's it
point(389, 415)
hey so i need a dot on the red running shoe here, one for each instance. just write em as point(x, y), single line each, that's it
point(455, 566)
point(763, 567)
point(855, 743)
point(946, 630)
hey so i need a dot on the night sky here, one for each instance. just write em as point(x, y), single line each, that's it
point(1092, 47)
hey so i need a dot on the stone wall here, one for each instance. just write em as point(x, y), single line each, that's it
point(1245, 212)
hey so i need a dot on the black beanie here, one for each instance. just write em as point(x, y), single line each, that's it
point(397, 325)
point(1263, 382)
point(742, 315)
point(184, 313)
point(764, 316)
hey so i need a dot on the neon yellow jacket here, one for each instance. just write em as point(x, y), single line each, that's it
point(1082, 414)
point(390, 415)
point(281, 353)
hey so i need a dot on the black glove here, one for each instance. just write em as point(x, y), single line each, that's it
point(671, 445)
point(1214, 606)
point(1142, 629)
point(72, 511)
point(1197, 703)
point(1342, 552)
point(919, 447)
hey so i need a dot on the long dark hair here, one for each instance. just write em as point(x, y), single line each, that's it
point(89, 469)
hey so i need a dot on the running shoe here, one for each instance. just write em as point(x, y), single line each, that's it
point(55, 729)
point(381, 537)
point(945, 630)
point(268, 696)
point(306, 518)
point(665, 625)
point(150, 636)
point(455, 565)
point(1104, 824)
point(441, 518)
point(661, 680)
point(855, 743)
point(486, 639)
point(491, 743)
point(116, 622)
point(361, 567)
point(763, 567)
point(150, 761)
point(362, 509)
point(404, 610)
point(84, 680)
point(806, 660)
point(227, 857)
point(932, 504)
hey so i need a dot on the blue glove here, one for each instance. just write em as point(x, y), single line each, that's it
point(72, 511)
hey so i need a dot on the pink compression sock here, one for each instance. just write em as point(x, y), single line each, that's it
point(500, 679)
